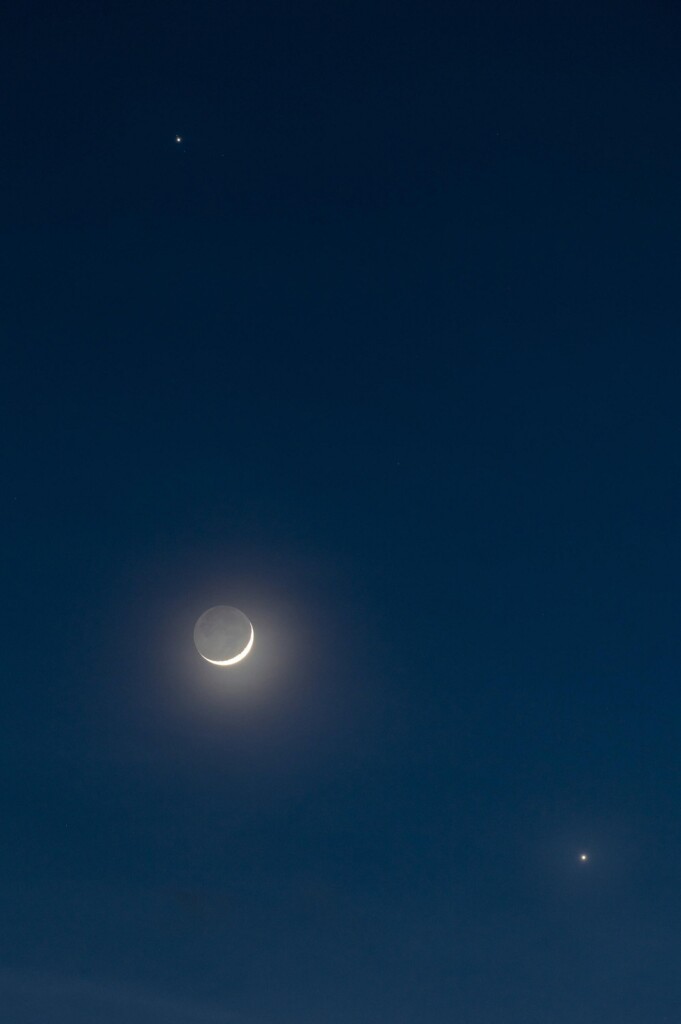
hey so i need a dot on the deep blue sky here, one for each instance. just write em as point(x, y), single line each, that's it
point(386, 353)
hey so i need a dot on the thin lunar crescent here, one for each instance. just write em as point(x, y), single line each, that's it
point(223, 635)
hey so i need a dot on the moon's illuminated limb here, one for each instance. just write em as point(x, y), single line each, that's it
point(239, 657)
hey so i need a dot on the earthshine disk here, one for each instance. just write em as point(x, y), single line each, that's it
point(223, 635)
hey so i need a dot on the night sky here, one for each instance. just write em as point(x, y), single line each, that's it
point(384, 352)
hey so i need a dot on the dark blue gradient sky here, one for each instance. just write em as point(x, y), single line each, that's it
point(385, 353)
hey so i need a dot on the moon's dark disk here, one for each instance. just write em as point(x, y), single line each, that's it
point(223, 635)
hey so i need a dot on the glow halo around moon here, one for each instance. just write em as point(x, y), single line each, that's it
point(223, 635)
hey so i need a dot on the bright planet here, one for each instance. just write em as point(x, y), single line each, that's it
point(223, 635)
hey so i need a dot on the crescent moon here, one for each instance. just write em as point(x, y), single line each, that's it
point(238, 657)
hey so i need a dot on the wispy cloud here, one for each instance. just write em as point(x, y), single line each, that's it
point(34, 998)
